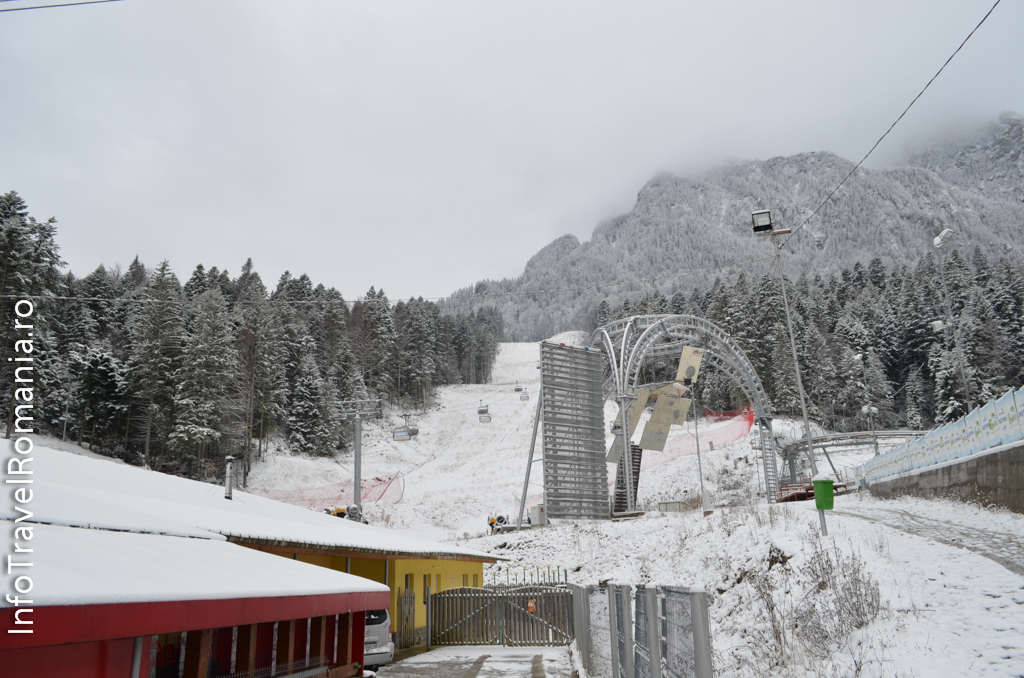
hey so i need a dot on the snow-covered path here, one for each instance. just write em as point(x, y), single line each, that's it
point(1005, 548)
point(485, 661)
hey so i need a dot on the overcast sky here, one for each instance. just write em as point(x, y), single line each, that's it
point(421, 146)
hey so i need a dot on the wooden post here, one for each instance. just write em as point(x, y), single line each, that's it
point(345, 639)
point(245, 649)
point(317, 638)
point(197, 653)
point(285, 642)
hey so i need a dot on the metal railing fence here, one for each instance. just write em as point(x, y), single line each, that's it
point(624, 631)
point(511, 616)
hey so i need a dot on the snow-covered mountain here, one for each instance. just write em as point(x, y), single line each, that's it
point(687, 231)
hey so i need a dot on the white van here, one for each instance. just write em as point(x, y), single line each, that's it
point(379, 649)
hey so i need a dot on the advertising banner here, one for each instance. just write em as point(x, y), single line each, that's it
point(989, 422)
point(973, 431)
point(1004, 407)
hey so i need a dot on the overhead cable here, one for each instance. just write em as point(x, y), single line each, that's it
point(857, 166)
point(65, 4)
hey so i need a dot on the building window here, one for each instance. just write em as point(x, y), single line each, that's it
point(408, 582)
point(465, 580)
point(426, 583)
point(475, 584)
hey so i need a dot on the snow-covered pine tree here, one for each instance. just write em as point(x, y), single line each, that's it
point(157, 343)
point(197, 284)
point(258, 379)
point(208, 362)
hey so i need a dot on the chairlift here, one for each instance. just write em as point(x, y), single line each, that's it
point(518, 388)
point(482, 409)
point(524, 396)
point(405, 432)
point(485, 418)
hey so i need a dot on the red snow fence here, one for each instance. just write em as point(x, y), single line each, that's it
point(721, 428)
point(379, 490)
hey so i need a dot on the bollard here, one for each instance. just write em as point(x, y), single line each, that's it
point(701, 632)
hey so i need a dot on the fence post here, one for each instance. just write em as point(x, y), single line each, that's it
point(701, 632)
point(429, 615)
point(613, 631)
point(626, 626)
point(653, 630)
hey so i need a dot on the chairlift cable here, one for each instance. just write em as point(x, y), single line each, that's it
point(914, 101)
point(65, 4)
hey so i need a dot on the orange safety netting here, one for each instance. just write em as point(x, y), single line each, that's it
point(379, 490)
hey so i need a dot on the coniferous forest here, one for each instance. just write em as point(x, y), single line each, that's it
point(137, 365)
point(908, 367)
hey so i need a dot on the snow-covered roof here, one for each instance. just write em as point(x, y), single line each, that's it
point(77, 491)
point(73, 566)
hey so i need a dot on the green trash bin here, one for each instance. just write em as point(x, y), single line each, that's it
point(823, 495)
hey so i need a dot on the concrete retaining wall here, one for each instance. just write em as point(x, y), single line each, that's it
point(996, 478)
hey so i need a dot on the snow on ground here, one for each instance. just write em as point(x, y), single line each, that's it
point(487, 661)
point(948, 575)
point(489, 459)
point(945, 611)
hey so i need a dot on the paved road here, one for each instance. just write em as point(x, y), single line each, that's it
point(1004, 548)
point(483, 661)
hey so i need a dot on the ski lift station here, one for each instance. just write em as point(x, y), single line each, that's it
point(145, 573)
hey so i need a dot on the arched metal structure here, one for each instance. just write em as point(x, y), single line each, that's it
point(634, 342)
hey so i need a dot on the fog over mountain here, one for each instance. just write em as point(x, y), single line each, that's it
point(688, 231)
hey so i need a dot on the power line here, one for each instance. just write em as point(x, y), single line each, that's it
point(66, 4)
point(857, 166)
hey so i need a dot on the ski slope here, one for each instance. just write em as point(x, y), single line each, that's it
point(458, 470)
point(949, 575)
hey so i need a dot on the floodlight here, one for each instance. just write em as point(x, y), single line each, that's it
point(941, 238)
point(762, 221)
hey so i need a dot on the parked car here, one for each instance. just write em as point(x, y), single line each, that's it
point(379, 649)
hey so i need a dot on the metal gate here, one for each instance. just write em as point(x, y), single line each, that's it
point(513, 616)
point(407, 618)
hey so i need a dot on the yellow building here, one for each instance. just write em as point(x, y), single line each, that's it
point(400, 561)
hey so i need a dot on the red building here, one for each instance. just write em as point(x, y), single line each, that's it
point(126, 604)
point(119, 571)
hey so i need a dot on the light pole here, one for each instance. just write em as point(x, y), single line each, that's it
point(763, 226)
point(938, 242)
point(867, 398)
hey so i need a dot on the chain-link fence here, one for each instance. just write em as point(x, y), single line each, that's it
point(625, 631)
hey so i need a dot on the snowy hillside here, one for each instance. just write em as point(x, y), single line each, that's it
point(458, 470)
point(947, 576)
point(688, 231)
